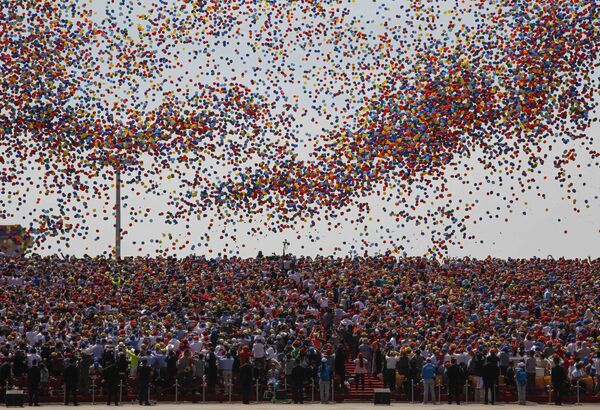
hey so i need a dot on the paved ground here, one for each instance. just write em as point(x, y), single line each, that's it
point(338, 406)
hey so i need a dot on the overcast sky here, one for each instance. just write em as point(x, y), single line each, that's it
point(536, 226)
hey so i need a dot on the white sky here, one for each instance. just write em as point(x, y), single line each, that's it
point(535, 226)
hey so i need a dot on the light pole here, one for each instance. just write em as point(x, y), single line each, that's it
point(285, 245)
point(118, 213)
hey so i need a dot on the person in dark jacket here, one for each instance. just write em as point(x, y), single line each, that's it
point(211, 370)
point(558, 377)
point(490, 379)
point(377, 360)
point(246, 381)
point(111, 377)
point(298, 383)
point(455, 381)
point(71, 379)
point(144, 371)
point(33, 383)
point(171, 361)
point(339, 366)
point(19, 367)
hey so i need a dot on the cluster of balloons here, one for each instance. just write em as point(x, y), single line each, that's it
point(297, 112)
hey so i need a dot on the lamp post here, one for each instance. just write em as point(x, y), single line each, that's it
point(118, 213)
point(285, 245)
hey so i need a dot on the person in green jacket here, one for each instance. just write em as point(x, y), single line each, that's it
point(134, 361)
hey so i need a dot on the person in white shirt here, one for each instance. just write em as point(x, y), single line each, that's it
point(391, 360)
point(32, 356)
point(196, 345)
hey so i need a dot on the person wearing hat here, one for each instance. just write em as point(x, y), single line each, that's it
point(521, 378)
point(428, 374)
point(325, 372)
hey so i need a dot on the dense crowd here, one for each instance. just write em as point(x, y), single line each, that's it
point(283, 321)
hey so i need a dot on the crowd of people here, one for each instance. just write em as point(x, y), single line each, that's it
point(225, 323)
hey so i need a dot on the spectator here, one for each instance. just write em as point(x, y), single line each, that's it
point(33, 382)
point(390, 370)
point(198, 365)
point(360, 370)
point(456, 381)
point(490, 379)
point(558, 379)
point(325, 373)
point(226, 366)
point(246, 381)
point(143, 373)
point(530, 367)
point(111, 378)
point(71, 380)
point(521, 380)
point(340, 367)
point(428, 374)
point(298, 383)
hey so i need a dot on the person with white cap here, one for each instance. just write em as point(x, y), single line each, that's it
point(521, 377)
point(324, 380)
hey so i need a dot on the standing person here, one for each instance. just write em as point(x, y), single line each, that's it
point(324, 381)
point(340, 367)
point(455, 381)
point(504, 360)
point(71, 379)
point(111, 379)
point(198, 364)
point(85, 362)
point(360, 370)
point(558, 377)
point(530, 365)
point(596, 362)
point(510, 378)
point(475, 368)
point(298, 383)
point(389, 377)
point(258, 352)
point(490, 379)
point(428, 375)
point(226, 366)
point(377, 359)
point(521, 377)
point(143, 372)
point(211, 370)
point(184, 370)
point(33, 383)
point(246, 381)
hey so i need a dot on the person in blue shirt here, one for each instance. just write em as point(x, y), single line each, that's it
point(521, 377)
point(325, 371)
point(428, 375)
